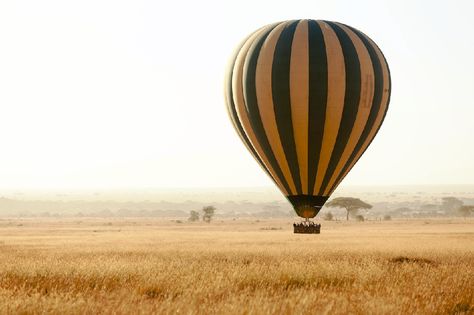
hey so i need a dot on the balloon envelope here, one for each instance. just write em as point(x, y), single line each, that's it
point(307, 97)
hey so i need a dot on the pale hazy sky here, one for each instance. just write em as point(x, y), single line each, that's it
point(129, 94)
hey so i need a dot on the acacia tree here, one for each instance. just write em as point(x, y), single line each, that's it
point(352, 205)
point(208, 213)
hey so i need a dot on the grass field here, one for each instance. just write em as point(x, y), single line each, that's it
point(128, 266)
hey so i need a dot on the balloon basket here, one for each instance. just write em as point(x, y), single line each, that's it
point(307, 227)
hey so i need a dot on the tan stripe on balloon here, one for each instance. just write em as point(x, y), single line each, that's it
point(242, 136)
point(229, 70)
point(263, 83)
point(380, 114)
point(237, 89)
point(335, 101)
point(365, 104)
point(299, 95)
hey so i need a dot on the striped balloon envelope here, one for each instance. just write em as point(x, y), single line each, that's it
point(307, 98)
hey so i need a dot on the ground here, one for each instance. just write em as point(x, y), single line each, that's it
point(143, 266)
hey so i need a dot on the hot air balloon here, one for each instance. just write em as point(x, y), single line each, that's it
point(307, 97)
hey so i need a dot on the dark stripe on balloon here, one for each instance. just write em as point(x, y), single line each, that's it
point(282, 100)
point(389, 87)
point(376, 103)
point(250, 95)
point(351, 101)
point(388, 99)
point(372, 43)
point(318, 94)
point(235, 118)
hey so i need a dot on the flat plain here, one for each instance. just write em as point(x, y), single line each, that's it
point(157, 266)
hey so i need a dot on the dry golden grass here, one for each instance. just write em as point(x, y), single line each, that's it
point(235, 267)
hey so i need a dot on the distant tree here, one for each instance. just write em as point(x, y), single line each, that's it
point(451, 204)
point(193, 216)
point(387, 217)
point(328, 216)
point(208, 213)
point(466, 211)
point(352, 205)
point(359, 218)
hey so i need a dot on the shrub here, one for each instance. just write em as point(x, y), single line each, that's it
point(193, 216)
point(328, 216)
point(208, 213)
